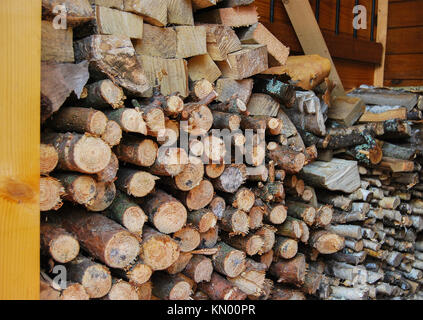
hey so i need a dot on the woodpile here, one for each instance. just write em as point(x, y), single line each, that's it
point(184, 155)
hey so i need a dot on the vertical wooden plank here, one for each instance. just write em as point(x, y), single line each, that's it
point(309, 34)
point(382, 30)
point(20, 53)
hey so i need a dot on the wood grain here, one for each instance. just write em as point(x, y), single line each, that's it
point(20, 24)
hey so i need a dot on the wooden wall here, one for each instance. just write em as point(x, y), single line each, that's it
point(404, 48)
point(355, 58)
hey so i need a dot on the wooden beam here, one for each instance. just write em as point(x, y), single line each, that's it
point(20, 25)
point(382, 29)
point(310, 36)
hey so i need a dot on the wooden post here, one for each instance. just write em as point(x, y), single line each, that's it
point(20, 25)
point(310, 36)
point(382, 30)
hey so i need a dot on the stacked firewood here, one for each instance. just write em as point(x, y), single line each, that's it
point(178, 161)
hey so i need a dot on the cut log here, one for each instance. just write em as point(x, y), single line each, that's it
point(158, 250)
point(203, 67)
point(166, 213)
point(229, 261)
point(199, 269)
point(135, 183)
point(154, 12)
point(383, 113)
point(282, 92)
point(198, 119)
point(221, 289)
point(188, 238)
point(106, 52)
point(58, 81)
point(209, 238)
point(231, 179)
point(130, 120)
point(198, 197)
point(112, 134)
point(285, 158)
point(267, 232)
point(337, 174)
point(231, 17)
point(302, 211)
point(238, 66)
point(127, 213)
point(48, 158)
point(51, 191)
point(203, 220)
point(77, 11)
point(138, 273)
point(179, 265)
point(259, 34)
point(290, 228)
point(180, 12)
point(190, 177)
point(94, 277)
point(251, 244)
point(169, 162)
point(290, 271)
point(153, 116)
point(262, 104)
point(214, 170)
point(79, 120)
point(79, 188)
point(170, 287)
point(56, 44)
point(326, 242)
point(58, 243)
point(75, 291)
point(234, 221)
point(190, 41)
point(285, 248)
point(243, 199)
point(104, 196)
point(255, 216)
point(122, 290)
point(227, 88)
point(103, 238)
point(138, 151)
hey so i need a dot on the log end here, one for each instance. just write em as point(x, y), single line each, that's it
point(121, 250)
point(64, 248)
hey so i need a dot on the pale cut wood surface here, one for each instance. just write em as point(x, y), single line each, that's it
point(382, 30)
point(20, 25)
point(112, 21)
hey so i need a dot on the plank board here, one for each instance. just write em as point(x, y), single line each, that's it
point(19, 149)
point(382, 28)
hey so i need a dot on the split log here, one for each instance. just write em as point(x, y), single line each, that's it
point(158, 251)
point(229, 261)
point(190, 41)
point(180, 12)
point(103, 238)
point(231, 17)
point(135, 182)
point(58, 243)
point(102, 94)
point(56, 44)
point(226, 88)
point(94, 277)
point(78, 11)
point(157, 42)
point(51, 191)
point(58, 81)
point(154, 12)
point(259, 34)
point(105, 52)
point(238, 65)
point(166, 213)
point(221, 40)
point(127, 213)
point(203, 67)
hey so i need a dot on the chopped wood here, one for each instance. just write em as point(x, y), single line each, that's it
point(231, 17)
point(77, 11)
point(157, 42)
point(153, 11)
point(221, 40)
point(203, 67)
point(226, 88)
point(180, 12)
point(190, 41)
point(56, 44)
